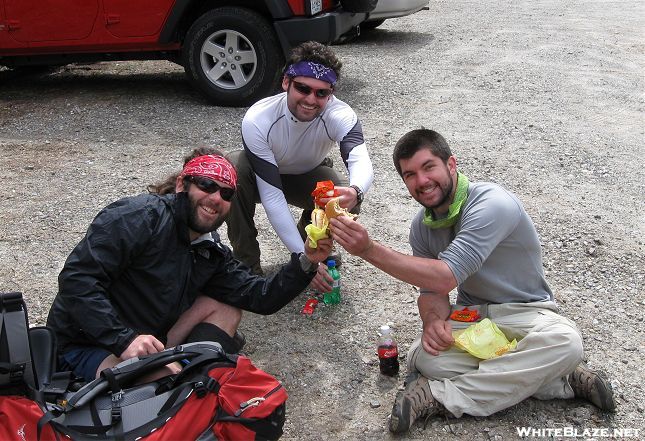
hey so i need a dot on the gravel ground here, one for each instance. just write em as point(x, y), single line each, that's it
point(545, 98)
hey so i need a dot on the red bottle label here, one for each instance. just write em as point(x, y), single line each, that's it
point(388, 352)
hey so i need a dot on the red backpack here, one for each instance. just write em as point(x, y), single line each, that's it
point(216, 396)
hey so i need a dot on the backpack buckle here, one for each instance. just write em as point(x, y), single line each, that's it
point(115, 414)
point(200, 389)
point(16, 372)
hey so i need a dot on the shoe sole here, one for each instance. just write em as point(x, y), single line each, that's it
point(398, 424)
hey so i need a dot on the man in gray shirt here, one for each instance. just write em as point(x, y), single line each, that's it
point(478, 238)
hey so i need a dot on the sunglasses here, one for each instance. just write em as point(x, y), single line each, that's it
point(209, 186)
point(306, 90)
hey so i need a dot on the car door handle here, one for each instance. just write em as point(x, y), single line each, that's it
point(111, 19)
point(13, 25)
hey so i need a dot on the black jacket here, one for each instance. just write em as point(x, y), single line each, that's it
point(135, 272)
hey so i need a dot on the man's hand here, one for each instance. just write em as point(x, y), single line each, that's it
point(437, 336)
point(142, 345)
point(322, 282)
point(350, 235)
point(348, 197)
point(321, 251)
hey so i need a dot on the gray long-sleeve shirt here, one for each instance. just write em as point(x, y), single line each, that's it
point(493, 250)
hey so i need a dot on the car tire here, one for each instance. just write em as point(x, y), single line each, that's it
point(232, 55)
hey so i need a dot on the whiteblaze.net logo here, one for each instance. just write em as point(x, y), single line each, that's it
point(577, 432)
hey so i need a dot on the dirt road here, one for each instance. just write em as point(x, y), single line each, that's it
point(545, 98)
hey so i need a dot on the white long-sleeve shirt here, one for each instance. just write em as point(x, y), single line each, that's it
point(277, 143)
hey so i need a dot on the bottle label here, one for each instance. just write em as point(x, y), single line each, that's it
point(388, 352)
point(335, 284)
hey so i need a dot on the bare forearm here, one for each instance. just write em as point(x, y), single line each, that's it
point(432, 275)
point(433, 307)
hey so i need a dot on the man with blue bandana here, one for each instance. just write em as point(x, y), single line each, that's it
point(475, 237)
point(287, 139)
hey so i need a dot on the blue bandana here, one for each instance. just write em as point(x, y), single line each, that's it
point(312, 70)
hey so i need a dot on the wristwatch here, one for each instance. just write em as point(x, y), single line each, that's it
point(359, 193)
point(307, 265)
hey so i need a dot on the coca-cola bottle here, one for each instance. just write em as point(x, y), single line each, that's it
point(388, 352)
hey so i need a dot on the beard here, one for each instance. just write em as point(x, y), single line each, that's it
point(200, 225)
point(446, 191)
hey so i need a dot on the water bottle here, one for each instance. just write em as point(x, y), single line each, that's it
point(388, 352)
point(333, 297)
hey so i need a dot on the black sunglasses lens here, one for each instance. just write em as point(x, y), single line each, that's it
point(208, 186)
point(306, 90)
point(226, 193)
point(302, 88)
point(205, 185)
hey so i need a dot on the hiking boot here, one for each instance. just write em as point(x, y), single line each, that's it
point(414, 402)
point(593, 386)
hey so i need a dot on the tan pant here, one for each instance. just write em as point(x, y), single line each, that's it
point(549, 348)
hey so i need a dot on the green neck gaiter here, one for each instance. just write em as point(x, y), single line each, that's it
point(454, 211)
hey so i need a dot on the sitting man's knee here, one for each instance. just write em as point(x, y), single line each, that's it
point(575, 348)
point(217, 312)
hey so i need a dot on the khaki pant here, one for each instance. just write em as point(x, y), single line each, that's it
point(549, 348)
point(297, 190)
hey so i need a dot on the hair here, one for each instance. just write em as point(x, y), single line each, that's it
point(167, 186)
point(316, 52)
point(418, 139)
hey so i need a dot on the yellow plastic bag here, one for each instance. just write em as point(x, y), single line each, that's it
point(483, 340)
point(315, 234)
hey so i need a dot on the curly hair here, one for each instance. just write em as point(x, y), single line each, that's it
point(317, 52)
point(167, 186)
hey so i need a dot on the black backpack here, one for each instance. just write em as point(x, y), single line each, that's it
point(27, 355)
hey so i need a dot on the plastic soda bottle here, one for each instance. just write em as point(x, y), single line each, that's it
point(333, 297)
point(388, 352)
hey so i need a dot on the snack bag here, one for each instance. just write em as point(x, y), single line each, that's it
point(483, 340)
point(317, 229)
point(324, 189)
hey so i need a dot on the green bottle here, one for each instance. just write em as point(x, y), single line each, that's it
point(333, 297)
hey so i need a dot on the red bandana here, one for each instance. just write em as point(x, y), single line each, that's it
point(212, 167)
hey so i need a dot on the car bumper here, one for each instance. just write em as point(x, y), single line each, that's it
point(396, 8)
point(324, 28)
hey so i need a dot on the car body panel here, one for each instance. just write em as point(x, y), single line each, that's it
point(128, 18)
point(326, 27)
point(396, 8)
point(32, 21)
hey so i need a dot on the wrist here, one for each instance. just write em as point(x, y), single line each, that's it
point(367, 249)
point(359, 194)
point(307, 265)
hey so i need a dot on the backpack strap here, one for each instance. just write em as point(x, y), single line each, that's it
point(14, 327)
point(133, 369)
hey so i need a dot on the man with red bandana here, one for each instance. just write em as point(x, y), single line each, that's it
point(287, 139)
point(152, 273)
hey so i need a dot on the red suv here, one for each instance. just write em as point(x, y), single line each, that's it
point(231, 50)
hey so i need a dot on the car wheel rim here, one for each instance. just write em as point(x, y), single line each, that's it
point(228, 59)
